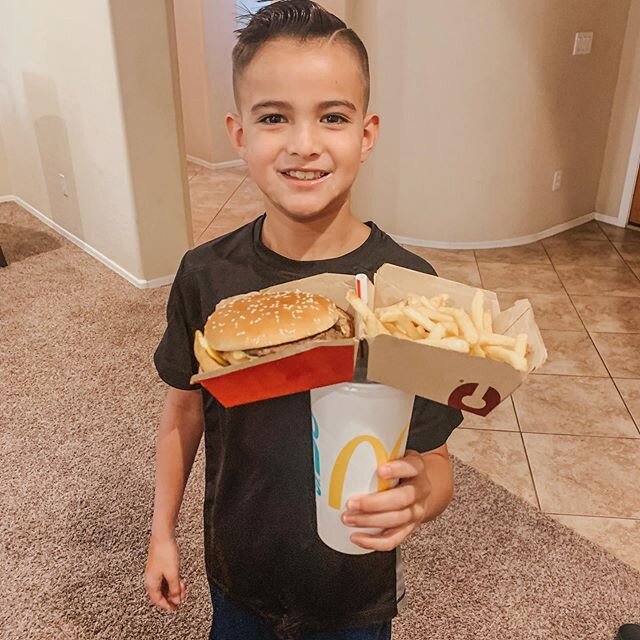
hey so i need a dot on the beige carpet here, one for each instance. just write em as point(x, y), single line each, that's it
point(79, 406)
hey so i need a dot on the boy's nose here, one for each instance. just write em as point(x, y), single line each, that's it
point(303, 141)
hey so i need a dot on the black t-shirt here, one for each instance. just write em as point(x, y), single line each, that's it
point(261, 546)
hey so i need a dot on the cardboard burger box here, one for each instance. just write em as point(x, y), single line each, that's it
point(474, 384)
point(297, 368)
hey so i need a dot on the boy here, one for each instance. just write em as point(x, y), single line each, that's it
point(301, 83)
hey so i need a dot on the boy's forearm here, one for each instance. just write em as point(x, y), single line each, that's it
point(439, 471)
point(178, 440)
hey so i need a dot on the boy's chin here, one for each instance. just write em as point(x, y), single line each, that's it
point(308, 211)
point(308, 214)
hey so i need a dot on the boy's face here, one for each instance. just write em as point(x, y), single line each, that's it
point(302, 110)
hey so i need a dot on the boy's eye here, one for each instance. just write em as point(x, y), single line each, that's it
point(272, 118)
point(335, 118)
point(276, 118)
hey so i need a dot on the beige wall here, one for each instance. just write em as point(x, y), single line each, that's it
point(623, 119)
point(481, 102)
point(205, 40)
point(99, 108)
point(5, 169)
point(219, 24)
point(194, 83)
point(5, 176)
point(337, 7)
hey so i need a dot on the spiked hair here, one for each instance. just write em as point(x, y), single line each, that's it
point(302, 20)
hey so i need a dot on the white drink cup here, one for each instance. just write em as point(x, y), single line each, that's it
point(356, 428)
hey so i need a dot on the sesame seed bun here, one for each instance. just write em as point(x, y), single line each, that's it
point(267, 319)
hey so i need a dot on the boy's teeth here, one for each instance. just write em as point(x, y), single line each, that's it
point(306, 175)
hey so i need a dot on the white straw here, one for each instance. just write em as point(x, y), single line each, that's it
point(362, 288)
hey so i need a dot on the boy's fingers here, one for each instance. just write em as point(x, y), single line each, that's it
point(175, 588)
point(385, 541)
point(154, 591)
point(383, 520)
point(394, 499)
point(408, 467)
point(183, 591)
point(165, 605)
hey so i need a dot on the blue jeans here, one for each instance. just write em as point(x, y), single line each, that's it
point(231, 623)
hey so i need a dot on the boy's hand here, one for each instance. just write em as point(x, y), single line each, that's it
point(424, 491)
point(162, 575)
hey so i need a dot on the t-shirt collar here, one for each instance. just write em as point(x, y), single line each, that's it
point(300, 267)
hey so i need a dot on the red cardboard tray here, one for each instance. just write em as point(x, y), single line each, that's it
point(318, 367)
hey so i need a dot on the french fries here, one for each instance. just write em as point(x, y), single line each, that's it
point(209, 360)
point(436, 322)
point(372, 322)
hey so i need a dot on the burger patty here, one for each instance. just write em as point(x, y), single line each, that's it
point(342, 329)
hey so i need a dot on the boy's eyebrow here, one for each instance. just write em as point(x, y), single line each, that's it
point(279, 104)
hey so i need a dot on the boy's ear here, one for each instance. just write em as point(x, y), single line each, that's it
point(235, 131)
point(369, 134)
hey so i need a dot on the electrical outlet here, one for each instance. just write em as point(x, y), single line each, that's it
point(582, 43)
point(63, 185)
point(557, 180)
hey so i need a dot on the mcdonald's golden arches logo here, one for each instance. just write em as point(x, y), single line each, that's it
point(339, 472)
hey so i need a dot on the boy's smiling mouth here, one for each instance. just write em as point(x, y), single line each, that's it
point(301, 176)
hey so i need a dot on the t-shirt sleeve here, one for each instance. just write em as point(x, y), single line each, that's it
point(431, 424)
point(174, 358)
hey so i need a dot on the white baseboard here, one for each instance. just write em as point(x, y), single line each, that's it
point(497, 244)
point(216, 165)
point(141, 284)
point(614, 220)
point(433, 244)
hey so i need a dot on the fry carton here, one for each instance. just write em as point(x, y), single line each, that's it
point(473, 384)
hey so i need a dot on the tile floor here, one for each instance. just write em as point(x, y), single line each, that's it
point(568, 441)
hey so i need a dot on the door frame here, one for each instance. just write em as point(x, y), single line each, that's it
point(632, 176)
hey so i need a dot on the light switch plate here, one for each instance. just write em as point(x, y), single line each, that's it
point(557, 180)
point(582, 43)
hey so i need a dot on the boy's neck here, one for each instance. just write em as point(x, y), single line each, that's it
point(330, 236)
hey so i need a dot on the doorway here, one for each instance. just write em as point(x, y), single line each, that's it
point(634, 215)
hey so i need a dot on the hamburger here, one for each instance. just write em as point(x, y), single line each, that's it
point(262, 323)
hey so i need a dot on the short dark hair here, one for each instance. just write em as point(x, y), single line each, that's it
point(302, 20)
